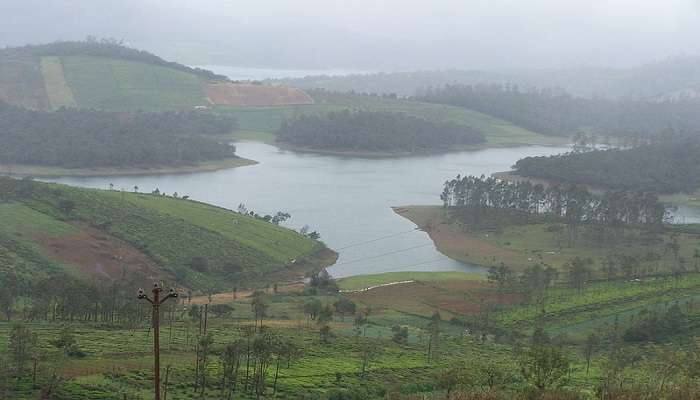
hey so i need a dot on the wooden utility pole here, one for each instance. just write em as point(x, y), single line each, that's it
point(156, 301)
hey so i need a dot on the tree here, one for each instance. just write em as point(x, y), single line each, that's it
point(259, 306)
point(22, 346)
point(544, 367)
point(448, 379)
point(325, 332)
point(589, 348)
point(220, 310)
point(368, 352)
point(579, 272)
point(400, 334)
point(501, 275)
point(312, 308)
point(344, 306)
point(434, 336)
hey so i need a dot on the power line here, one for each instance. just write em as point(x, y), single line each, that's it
point(384, 254)
point(377, 239)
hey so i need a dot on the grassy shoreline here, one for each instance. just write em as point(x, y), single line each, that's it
point(54, 172)
point(519, 246)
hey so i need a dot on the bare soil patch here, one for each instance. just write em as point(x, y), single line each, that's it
point(249, 95)
point(98, 255)
point(452, 241)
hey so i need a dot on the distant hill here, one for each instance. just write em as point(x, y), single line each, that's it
point(109, 76)
point(660, 79)
point(99, 235)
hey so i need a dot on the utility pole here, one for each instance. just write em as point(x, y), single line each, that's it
point(156, 301)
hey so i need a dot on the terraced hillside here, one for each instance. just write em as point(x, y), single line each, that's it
point(55, 230)
point(109, 76)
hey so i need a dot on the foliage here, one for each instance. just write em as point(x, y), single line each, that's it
point(84, 138)
point(554, 113)
point(669, 166)
point(109, 48)
point(375, 131)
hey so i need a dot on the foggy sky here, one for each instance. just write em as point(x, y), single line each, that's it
point(373, 34)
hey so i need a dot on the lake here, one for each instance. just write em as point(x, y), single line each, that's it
point(347, 200)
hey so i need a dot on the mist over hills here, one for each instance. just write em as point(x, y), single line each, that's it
point(672, 77)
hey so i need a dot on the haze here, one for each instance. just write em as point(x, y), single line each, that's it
point(373, 35)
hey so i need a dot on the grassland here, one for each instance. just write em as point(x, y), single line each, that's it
point(520, 246)
point(126, 85)
point(161, 234)
point(21, 82)
point(57, 89)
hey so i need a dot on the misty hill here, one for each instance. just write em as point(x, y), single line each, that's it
point(670, 166)
point(553, 113)
point(376, 132)
point(107, 75)
point(56, 231)
point(670, 77)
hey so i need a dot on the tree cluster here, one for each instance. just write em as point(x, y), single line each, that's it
point(555, 113)
point(85, 138)
point(375, 131)
point(574, 204)
point(667, 167)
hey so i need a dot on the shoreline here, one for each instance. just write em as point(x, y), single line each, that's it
point(397, 154)
point(40, 171)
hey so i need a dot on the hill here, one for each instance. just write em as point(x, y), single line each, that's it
point(666, 167)
point(376, 132)
point(109, 76)
point(52, 231)
point(659, 79)
point(264, 122)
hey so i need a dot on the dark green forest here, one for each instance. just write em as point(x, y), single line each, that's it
point(109, 48)
point(553, 112)
point(86, 138)
point(668, 167)
point(375, 131)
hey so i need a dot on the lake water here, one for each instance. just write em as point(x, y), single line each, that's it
point(347, 200)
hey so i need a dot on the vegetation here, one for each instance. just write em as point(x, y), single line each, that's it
point(554, 113)
point(497, 132)
point(669, 166)
point(83, 138)
point(105, 48)
point(370, 131)
point(196, 245)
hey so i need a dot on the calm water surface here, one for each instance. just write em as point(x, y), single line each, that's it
point(346, 199)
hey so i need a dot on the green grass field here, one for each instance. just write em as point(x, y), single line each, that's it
point(125, 85)
point(169, 231)
point(21, 82)
point(57, 89)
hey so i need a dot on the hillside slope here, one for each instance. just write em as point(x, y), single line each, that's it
point(264, 122)
point(51, 230)
point(109, 76)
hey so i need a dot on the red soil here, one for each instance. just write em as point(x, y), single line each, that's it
point(100, 256)
point(244, 94)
